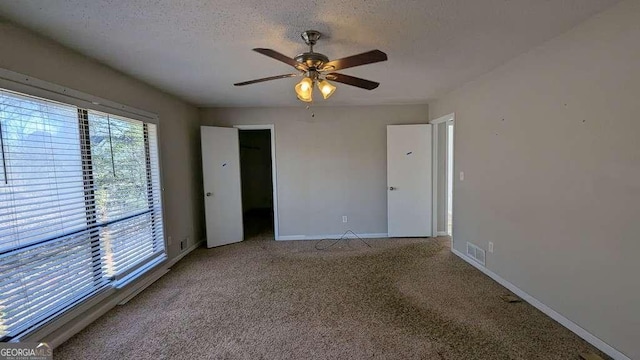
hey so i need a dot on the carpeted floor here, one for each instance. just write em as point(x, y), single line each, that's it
point(400, 299)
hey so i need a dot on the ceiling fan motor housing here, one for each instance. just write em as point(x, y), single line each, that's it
point(312, 60)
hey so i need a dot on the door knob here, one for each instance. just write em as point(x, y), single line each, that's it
point(391, 188)
point(208, 194)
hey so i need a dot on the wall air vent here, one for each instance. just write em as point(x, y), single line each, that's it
point(476, 253)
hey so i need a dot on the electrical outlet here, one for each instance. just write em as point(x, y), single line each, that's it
point(344, 219)
point(461, 175)
point(169, 240)
point(490, 247)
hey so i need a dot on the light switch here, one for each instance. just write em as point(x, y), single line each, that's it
point(461, 175)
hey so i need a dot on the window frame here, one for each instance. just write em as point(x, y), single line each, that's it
point(26, 85)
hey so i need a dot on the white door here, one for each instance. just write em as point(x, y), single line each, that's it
point(409, 180)
point(222, 187)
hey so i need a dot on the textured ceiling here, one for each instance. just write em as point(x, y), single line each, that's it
point(198, 49)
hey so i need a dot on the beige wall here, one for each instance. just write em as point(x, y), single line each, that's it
point(32, 55)
point(330, 165)
point(549, 146)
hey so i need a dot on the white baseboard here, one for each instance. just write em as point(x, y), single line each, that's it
point(590, 338)
point(442, 233)
point(333, 236)
point(184, 253)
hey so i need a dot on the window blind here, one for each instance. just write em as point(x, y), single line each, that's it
point(80, 206)
point(41, 281)
point(127, 195)
point(42, 189)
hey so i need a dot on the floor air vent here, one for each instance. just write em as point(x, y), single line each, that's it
point(475, 253)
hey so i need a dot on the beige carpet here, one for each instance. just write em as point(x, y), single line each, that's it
point(400, 299)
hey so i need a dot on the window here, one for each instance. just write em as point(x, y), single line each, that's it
point(80, 207)
point(126, 186)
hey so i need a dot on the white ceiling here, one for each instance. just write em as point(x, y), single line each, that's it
point(198, 49)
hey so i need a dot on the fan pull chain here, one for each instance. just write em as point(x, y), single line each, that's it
point(312, 113)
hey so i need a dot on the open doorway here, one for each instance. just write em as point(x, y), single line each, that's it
point(443, 186)
point(257, 181)
point(449, 177)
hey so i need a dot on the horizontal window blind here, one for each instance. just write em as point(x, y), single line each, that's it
point(40, 281)
point(42, 190)
point(127, 191)
point(119, 162)
point(80, 206)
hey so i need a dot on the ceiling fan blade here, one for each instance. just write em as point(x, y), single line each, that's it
point(352, 80)
point(369, 57)
point(280, 57)
point(266, 79)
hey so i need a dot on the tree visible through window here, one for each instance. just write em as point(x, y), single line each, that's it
point(121, 188)
point(120, 173)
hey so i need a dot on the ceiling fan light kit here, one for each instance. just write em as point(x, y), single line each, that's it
point(304, 90)
point(317, 69)
point(326, 89)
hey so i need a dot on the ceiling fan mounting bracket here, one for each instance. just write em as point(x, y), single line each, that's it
point(310, 37)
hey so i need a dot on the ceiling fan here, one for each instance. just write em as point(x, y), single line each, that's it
point(317, 69)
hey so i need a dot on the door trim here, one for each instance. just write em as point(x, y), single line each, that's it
point(274, 173)
point(435, 122)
